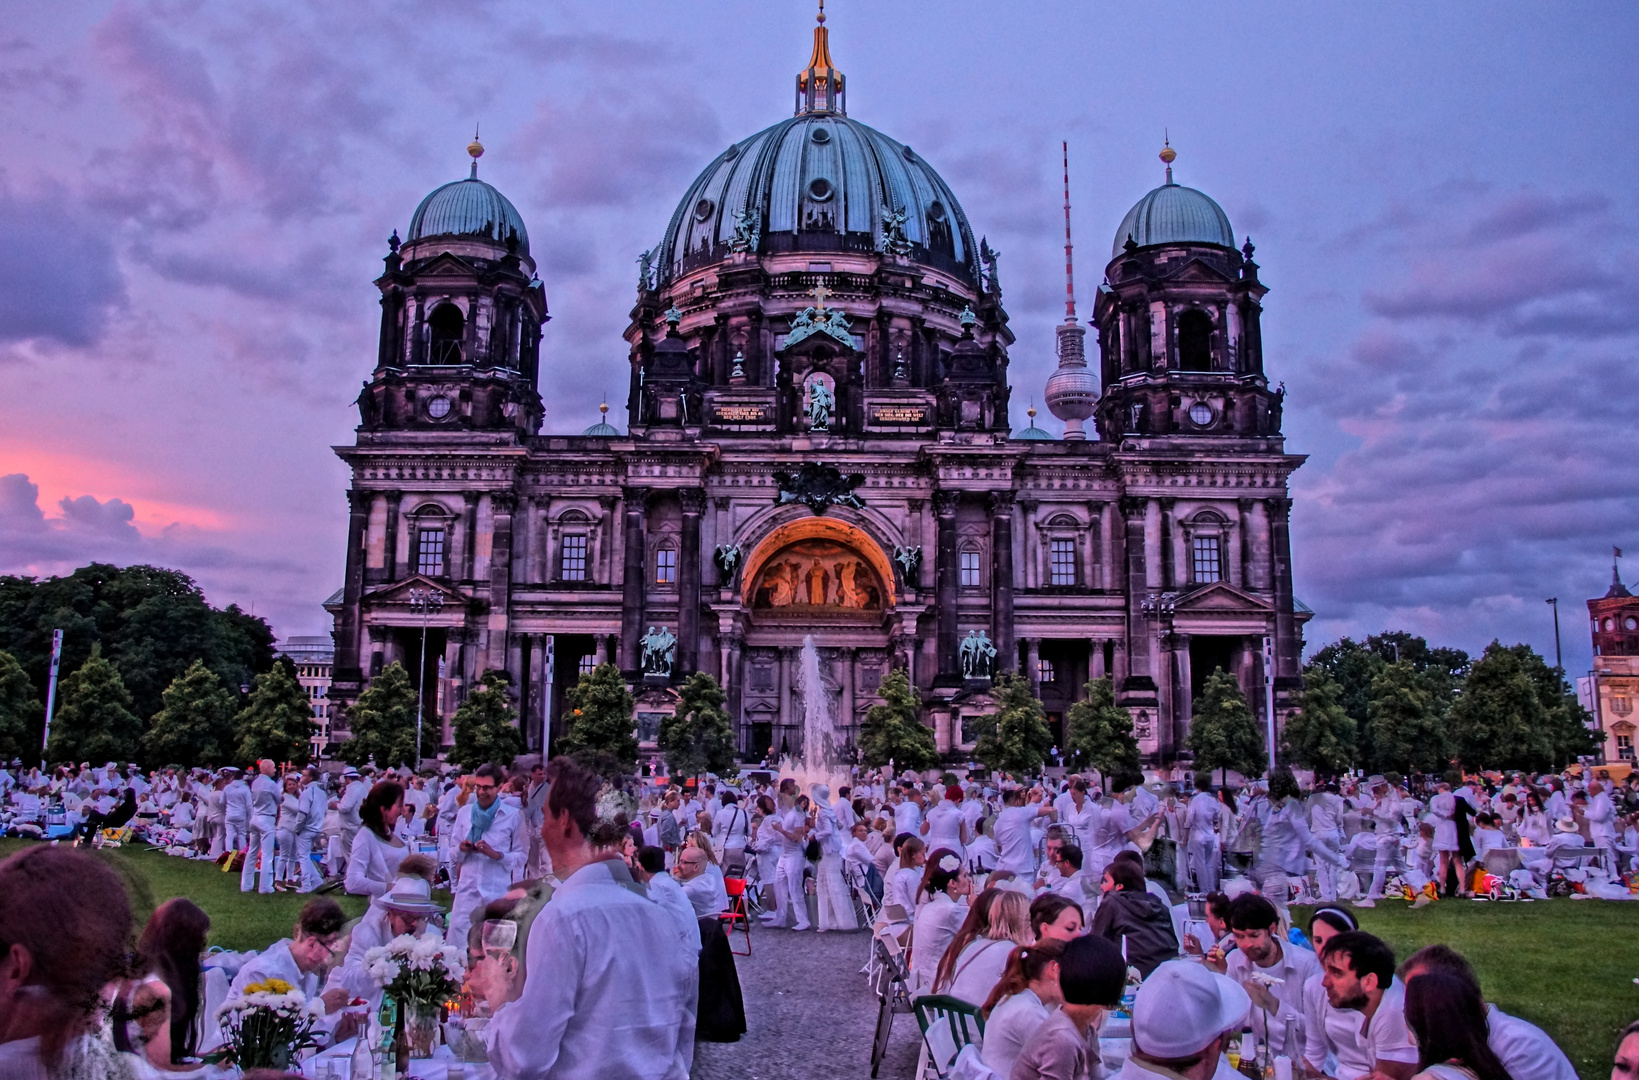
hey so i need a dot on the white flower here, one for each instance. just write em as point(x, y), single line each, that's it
point(950, 864)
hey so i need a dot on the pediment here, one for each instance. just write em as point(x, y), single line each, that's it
point(446, 265)
point(398, 593)
point(1197, 270)
point(1220, 596)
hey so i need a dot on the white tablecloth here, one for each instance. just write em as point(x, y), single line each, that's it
point(436, 1067)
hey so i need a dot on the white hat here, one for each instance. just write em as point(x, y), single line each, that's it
point(819, 792)
point(411, 893)
point(1182, 1006)
point(1567, 824)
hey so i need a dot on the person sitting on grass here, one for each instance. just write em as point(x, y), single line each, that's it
point(1524, 1049)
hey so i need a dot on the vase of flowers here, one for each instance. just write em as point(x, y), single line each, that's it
point(267, 1025)
point(422, 974)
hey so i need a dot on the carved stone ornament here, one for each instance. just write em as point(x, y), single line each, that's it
point(976, 652)
point(819, 487)
point(727, 558)
point(747, 230)
point(810, 321)
point(659, 647)
point(909, 559)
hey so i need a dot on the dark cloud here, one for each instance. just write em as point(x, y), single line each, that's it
point(58, 275)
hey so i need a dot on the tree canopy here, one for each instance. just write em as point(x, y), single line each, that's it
point(197, 724)
point(277, 722)
point(382, 721)
point(1223, 733)
point(94, 721)
point(893, 730)
point(151, 623)
point(1406, 719)
point(699, 737)
point(486, 725)
point(1321, 734)
point(1099, 733)
point(1015, 738)
point(602, 733)
point(21, 714)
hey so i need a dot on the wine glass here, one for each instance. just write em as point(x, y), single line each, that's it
point(500, 935)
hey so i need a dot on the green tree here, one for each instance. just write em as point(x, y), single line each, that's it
point(1406, 721)
point(1354, 666)
point(602, 733)
point(1321, 734)
point(1100, 733)
point(699, 737)
point(21, 714)
point(1223, 733)
point(486, 725)
point(382, 721)
point(277, 722)
point(196, 726)
point(152, 623)
point(1015, 738)
point(94, 721)
point(1498, 722)
point(893, 730)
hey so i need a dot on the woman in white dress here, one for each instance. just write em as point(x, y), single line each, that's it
point(377, 850)
point(284, 833)
point(946, 886)
point(907, 880)
point(835, 902)
point(1026, 994)
point(944, 827)
point(766, 843)
point(975, 959)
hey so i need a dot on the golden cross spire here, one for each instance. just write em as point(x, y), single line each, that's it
point(819, 293)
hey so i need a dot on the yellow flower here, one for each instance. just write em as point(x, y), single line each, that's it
point(269, 986)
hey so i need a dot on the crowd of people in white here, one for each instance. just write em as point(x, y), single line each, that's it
point(1041, 908)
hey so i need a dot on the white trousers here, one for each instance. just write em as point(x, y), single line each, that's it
point(219, 839)
point(1204, 861)
point(284, 863)
point(836, 904)
point(260, 840)
point(1325, 872)
point(790, 898)
point(1388, 846)
point(234, 834)
point(308, 870)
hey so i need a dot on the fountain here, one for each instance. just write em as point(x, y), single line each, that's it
point(818, 762)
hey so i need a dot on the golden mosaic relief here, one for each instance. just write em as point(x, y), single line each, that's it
point(813, 574)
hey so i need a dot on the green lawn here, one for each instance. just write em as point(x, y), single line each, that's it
point(1565, 965)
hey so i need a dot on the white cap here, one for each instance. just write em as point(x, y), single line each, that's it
point(1182, 1006)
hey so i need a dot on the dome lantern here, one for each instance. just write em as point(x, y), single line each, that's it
point(820, 86)
point(1173, 214)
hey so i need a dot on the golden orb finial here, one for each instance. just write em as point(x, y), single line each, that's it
point(1031, 413)
point(604, 408)
point(1168, 154)
point(822, 12)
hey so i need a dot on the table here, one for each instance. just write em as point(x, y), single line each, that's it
point(436, 1067)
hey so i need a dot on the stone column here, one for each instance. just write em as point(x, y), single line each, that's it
point(1137, 682)
point(378, 649)
point(688, 585)
point(346, 633)
point(1032, 663)
point(1286, 633)
point(948, 575)
point(1030, 543)
point(389, 558)
point(733, 682)
point(849, 672)
point(632, 584)
point(495, 649)
point(1183, 696)
point(1175, 572)
point(469, 530)
point(533, 720)
point(782, 665)
point(1259, 550)
point(1095, 659)
point(1001, 581)
point(452, 680)
point(523, 567)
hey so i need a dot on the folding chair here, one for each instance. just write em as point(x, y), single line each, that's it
point(753, 887)
point(947, 1024)
point(893, 992)
point(737, 912)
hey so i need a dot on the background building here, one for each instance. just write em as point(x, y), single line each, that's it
point(818, 446)
point(314, 658)
point(1614, 681)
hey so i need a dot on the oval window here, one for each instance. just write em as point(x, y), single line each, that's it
point(1610, 624)
point(703, 209)
point(820, 189)
point(936, 212)
point(1631, 623)
point(1201, 413)
point(821, 135)
point(438, 407)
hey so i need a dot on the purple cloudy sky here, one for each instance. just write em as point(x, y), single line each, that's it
point(194, 198)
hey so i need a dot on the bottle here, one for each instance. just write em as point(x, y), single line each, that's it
point(359, 1066)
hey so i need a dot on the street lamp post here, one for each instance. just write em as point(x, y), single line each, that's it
point(1559, 662)
point(426, 601)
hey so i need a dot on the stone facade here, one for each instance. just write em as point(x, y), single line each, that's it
point(1614, 619)
point(818, 446)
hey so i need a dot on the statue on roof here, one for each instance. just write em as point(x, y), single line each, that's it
point(893, 232)
point(746, 231)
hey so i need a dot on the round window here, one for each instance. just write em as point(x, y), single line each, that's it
point(703, 209)
point(1201, 413)
point(820, 189)
point(936, 212)
point(821, 135)
point(438, 407)
point(1610, 624)
point(1631, 623)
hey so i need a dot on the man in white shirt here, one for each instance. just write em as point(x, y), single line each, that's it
point(1015, 845)
point(843, 809)
point(488, 850)
point(1524, 1048)
point(300, 959)
point(907, 813)
point(704, 890)
point(347, 810)
point(1326, 811)
point(1601, 817)
point(610, 992)
point(791, 825)
point(315, 805)
point(1363, 1019)
point(236, 811)
point(1270, 971)
point(265, 796)
point(729, 828)
point(650, 869)
point(1386, 814)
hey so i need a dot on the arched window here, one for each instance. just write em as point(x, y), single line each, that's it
point(1194, 341)
point(665, 566)
point(972, 574)
point(1206, 548)
point(445, 327)
point(430, 539)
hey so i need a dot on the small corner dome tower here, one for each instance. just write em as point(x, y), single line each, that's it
point(1174, 214)
point(468, 209)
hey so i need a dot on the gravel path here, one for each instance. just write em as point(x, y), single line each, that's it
point(809, 1014)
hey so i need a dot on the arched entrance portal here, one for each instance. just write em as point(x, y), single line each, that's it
point(824, 578)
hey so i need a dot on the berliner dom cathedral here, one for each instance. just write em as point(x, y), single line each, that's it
point(815, 445)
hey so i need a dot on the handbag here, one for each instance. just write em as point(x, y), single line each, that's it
point(812, 852)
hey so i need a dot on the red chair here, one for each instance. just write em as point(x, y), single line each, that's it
point(736, 913)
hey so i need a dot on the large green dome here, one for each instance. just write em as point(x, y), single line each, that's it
point(468, 209)
point(1174, 214)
